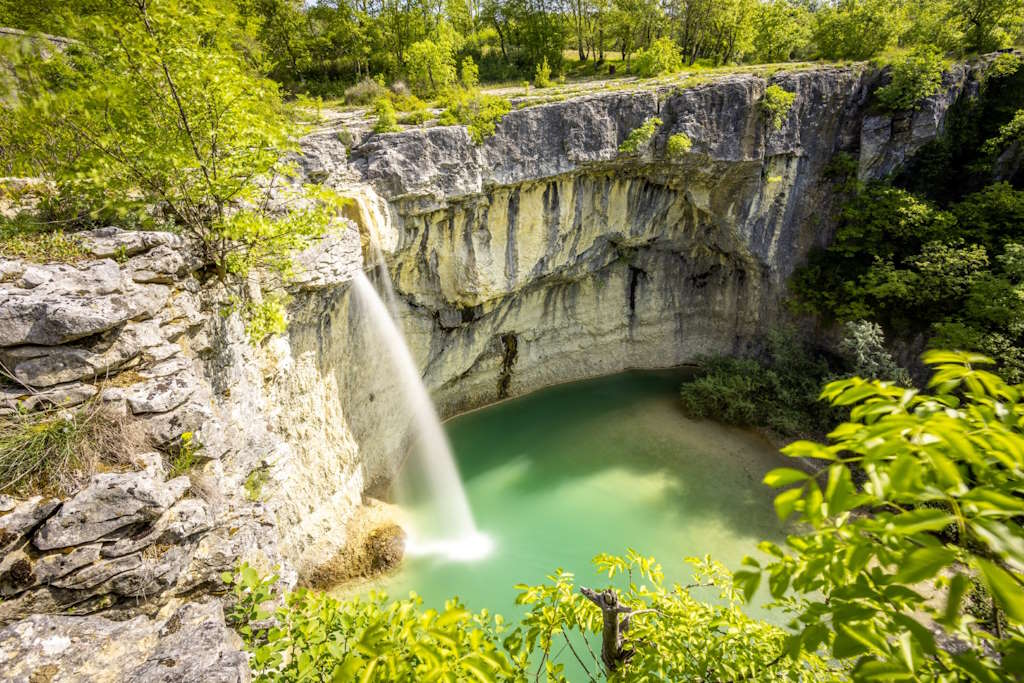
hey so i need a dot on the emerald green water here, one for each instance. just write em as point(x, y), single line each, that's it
point(599, 466)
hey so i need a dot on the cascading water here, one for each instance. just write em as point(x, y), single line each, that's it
point(453, 533)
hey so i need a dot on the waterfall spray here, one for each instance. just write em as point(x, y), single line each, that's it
point(457, 536)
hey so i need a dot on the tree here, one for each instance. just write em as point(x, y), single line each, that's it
point(781, 30)
point(989, 24)
point(856, 29)
point(943, 496)
point(165, 120)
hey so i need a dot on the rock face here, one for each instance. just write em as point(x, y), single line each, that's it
point(187, 642)
point(543, 255)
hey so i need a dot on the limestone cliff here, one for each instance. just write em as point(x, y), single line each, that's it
point(546, 255)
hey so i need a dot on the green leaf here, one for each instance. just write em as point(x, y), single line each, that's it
point(784, 476)
point(786, 501)
point(921, 519)
point(923, 563)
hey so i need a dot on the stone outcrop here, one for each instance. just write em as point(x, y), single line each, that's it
point(184, 642)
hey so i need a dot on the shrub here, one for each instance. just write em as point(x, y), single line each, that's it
point(863, 346)
point(470, 77)
point(913, 79)
point(266, 318)
point(184, 457)
point(942, 508)
point(480, 113)
point(365, 91)
point(775, 104)
point(678, 145)
point(387, 120)
point(27, 237)
point(542, 75)
point(640, 136)
point(55, 450)
point(779, 392)
point(316, 637)
point(366, 639)
point(662, 57)
point(416, 110)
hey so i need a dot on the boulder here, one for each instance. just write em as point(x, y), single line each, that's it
point(20, 518)
point(110, 502)
point(61, 303)
point(46, 366)
point(185, 642)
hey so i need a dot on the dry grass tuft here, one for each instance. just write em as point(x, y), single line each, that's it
point(55, 451)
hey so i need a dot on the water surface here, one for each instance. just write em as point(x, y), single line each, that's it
point(561, 475)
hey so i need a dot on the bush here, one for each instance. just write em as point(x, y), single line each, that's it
point(779, 392)
point(266, 318)
point(365, 92)
point(316, 637)
point(863, 346)
point(470, 77)
point(678, 145)
point(662, 57)
point(387, 120)
point(542, 75)
point(775, 105)
point(913, 79)
point(480, 113)
point(640, 136)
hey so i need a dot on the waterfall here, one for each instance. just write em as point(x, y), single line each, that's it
point(450, 531)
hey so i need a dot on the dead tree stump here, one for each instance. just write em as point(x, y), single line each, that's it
point(612, 653)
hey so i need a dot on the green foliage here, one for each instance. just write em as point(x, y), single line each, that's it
point(480, 113)
point(678, 145)
point(943, 487)
point(25, 237)
point(679, 638)
point(267, 318)
point(673, 636)
point(662, 57)
point(316, 637)
point(988, 24)
point(254, 484)
point(775, 104)
point(387, 119)
point(366, 91)
point(914, 78)
point(542, 76)
point(430, 63)
point(863, 346)
point(184, 458)
point(954, 275)
point(470, 76)
point(856, 29)
point(782, 31)
point(779, 392)
point(640, 136)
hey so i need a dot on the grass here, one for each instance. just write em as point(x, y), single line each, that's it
point(25, 238)
point(54, 451)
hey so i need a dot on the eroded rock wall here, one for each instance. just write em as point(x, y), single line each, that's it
point(546, 255)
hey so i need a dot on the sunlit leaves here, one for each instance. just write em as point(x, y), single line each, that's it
point(940, 502)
